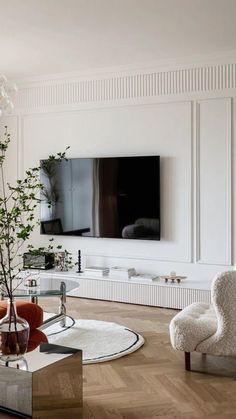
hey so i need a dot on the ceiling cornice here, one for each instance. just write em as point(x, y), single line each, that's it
point(181, 63)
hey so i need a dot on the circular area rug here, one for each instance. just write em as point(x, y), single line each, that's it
point(100, 341)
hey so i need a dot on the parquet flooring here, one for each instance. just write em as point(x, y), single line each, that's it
point(151, 383)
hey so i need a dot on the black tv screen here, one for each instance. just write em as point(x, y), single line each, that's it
point(115, 197)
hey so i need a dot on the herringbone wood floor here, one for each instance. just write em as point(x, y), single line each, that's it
point(151, 383)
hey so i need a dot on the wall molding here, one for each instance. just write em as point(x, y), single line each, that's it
point(187, 255)
point(117, 87)
point(190, 208)
point(199, 258)
point(188, 84)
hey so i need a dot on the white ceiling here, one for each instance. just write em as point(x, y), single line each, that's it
point(41, 37)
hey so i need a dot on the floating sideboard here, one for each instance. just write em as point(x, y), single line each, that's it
point(157, 294)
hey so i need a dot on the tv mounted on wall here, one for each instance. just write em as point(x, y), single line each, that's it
point(112, 197)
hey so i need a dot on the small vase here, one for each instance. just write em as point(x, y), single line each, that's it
point(14, 334)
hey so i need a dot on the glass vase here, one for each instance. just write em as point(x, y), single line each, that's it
point(14, 334)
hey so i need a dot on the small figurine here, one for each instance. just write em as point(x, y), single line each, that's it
point(172, 277)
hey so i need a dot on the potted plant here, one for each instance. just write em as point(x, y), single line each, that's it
point(17, 221)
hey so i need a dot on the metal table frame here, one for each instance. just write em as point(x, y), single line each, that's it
point(34, 294)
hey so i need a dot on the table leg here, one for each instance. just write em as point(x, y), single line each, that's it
point(62, 306)
point(34, 299)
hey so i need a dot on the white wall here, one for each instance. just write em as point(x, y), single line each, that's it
point(183, 115)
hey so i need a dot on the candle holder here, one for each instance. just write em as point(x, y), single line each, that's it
point(79, 262)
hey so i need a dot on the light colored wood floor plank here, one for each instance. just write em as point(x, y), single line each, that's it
point(156, 384)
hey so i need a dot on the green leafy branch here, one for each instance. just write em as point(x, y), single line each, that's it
point(17, 214)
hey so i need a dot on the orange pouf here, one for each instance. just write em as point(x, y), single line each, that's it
point(33, 314)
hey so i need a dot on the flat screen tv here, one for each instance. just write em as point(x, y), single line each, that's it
point(113, 197)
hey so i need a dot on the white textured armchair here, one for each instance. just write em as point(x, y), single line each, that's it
point(209, 329)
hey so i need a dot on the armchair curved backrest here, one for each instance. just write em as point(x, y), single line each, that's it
point(223, 294)
point(209, 329)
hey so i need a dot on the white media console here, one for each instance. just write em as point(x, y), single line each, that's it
point(158, 293)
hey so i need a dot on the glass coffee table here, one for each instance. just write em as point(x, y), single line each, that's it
point(35, 292)
point(46, 383)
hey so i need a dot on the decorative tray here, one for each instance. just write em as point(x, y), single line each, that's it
point(172, 279)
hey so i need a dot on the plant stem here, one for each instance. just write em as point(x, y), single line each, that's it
point(8, 234)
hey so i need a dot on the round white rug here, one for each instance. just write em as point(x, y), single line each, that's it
point(100, 341)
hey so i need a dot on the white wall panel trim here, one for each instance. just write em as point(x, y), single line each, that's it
point(119, 87)
point(219, 260)
point(153, 254)
point(197, 183)
point(190, 185)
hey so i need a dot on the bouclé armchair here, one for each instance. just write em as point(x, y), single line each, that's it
point(209, 329)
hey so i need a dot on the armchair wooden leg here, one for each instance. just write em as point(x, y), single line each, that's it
point(187, 361)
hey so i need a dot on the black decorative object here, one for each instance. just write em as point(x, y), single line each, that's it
point(79, 262)
point(40, 261)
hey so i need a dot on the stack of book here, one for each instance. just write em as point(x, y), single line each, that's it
point(121, 273)
point(96, 271)
point(144, 277)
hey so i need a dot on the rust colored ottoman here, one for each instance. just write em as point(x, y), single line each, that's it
point(33, 314)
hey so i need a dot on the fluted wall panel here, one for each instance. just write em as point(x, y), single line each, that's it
point(127, 87)
point(168, 296)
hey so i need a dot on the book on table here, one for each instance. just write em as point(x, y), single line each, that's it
point(122, 273)
point(96, 270)
point(144, 278)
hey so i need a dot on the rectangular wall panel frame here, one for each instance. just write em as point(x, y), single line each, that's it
point(199, 258)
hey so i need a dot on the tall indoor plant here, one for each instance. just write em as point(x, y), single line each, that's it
point(17, 221)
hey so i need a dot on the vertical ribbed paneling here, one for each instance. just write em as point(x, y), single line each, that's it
point(135, 293)
point(95, 288)
point(181, 297)
point(159, 294)
point(128, 87)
